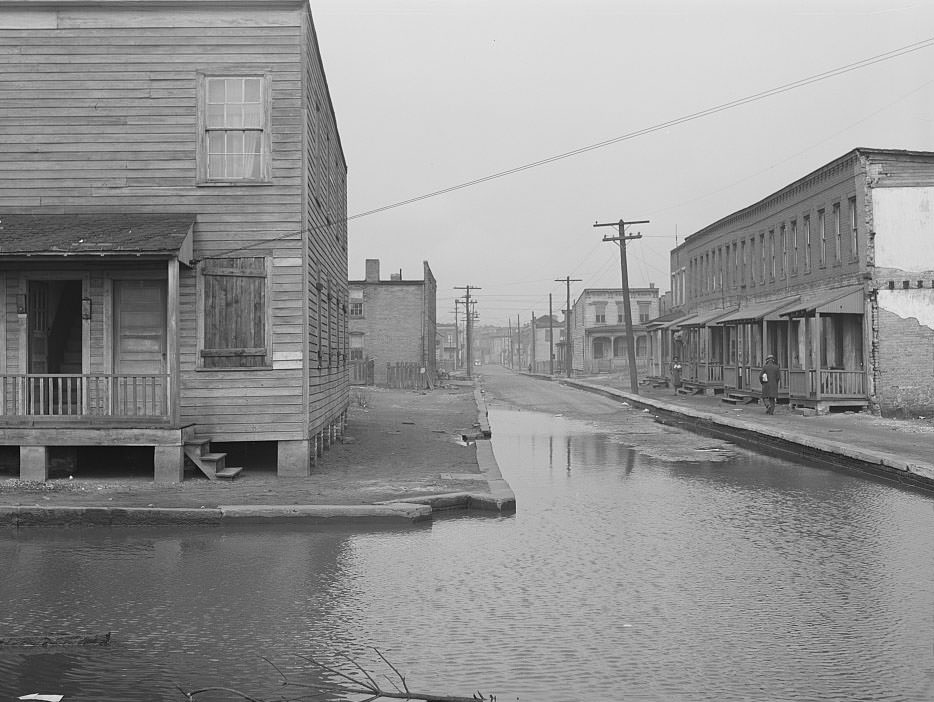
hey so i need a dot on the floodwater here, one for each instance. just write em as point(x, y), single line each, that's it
point(621, 577)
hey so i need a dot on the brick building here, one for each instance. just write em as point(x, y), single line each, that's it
point(393, 321)
point(833, 274)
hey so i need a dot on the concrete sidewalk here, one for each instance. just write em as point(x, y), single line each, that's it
point(901, 450)
point(403, 457)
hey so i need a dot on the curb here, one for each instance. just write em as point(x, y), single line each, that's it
point(501, 498)
point(35, 515)
point(841, 455)
point(412, 510)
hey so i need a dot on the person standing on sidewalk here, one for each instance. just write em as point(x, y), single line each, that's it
point(676, 373)
point(769, 381)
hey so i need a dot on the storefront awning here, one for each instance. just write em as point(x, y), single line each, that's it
point(749, 314)
point(838, 301)
point(126, 235)
point(665, 321)
point(702, 319)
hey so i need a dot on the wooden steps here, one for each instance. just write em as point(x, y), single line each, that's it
point(213, 465)
point(738, 397)
point(690, 389)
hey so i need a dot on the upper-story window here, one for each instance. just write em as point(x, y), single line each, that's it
point(772, 253)
point(854, 240)
point(784, 242)
point(836, 233)
point(794, 247)
point(822, 233)
point(645, 309)
point(356, 309)
point(235, 144)
point(763, 255)
point(807, 243)
point(600, 312)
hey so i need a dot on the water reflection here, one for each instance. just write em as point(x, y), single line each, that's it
point(620, 577)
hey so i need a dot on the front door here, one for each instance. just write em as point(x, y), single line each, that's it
point(139, 347)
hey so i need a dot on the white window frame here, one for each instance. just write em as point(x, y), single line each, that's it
point(266, 129)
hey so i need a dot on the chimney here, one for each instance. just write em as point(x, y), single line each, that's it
point(372, 270)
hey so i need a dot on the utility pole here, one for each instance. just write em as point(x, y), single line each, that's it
point(568, 347)
point(509, 326)
point(457, 345)
point(518, 343)
point(551, 339)
point(532, 358)
point(467, 324)
point(621, 240)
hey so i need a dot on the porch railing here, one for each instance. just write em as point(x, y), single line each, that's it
point(823, 383)
point(85, 395)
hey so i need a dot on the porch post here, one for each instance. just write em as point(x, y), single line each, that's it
point(171, 342)
point(33, 463)
point(817, 363)
point(808, 355)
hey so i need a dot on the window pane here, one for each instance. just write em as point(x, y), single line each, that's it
point(234, 143)
point(252, 90)
point(215, 115)
point(216, 143)
point(252, 142)
point(251, 115)
point(216, 91)
point(234, 90)
point(216, 166)
point(234, 116)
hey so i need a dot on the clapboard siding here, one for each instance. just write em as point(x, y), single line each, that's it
point(99, 114)
point(326, 271)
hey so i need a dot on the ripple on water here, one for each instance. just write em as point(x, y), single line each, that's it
point(621, 577)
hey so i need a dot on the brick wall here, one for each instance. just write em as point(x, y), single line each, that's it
point(392, 324)
point(904, 378)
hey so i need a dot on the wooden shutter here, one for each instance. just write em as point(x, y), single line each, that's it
point(234, 313)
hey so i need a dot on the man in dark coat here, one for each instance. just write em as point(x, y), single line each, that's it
point(769, 384)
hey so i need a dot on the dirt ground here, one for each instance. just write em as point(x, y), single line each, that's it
point(398, 444)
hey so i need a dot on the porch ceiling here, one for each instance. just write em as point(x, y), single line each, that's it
point(96, 235)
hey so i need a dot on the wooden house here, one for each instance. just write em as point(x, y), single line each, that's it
point(173, 247)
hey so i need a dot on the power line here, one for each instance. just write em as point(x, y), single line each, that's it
point(722, 107)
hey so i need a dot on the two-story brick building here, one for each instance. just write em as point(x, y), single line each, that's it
point(598, 328)
point(393, 322)
point(173, 265)
point(833, 274)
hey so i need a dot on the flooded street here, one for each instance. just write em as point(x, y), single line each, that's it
point(644, 563)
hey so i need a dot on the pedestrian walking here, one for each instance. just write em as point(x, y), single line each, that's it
point(676, 373)
point(769, 380)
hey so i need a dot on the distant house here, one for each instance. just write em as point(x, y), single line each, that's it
point(173, 257)
point(598, 328)
point(393, 322)
point(447, 340)
point(541, 344)
point(833, 274)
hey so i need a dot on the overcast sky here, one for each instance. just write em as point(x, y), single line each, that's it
point(431, 94)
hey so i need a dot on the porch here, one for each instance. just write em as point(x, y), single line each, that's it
point(83, 398)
